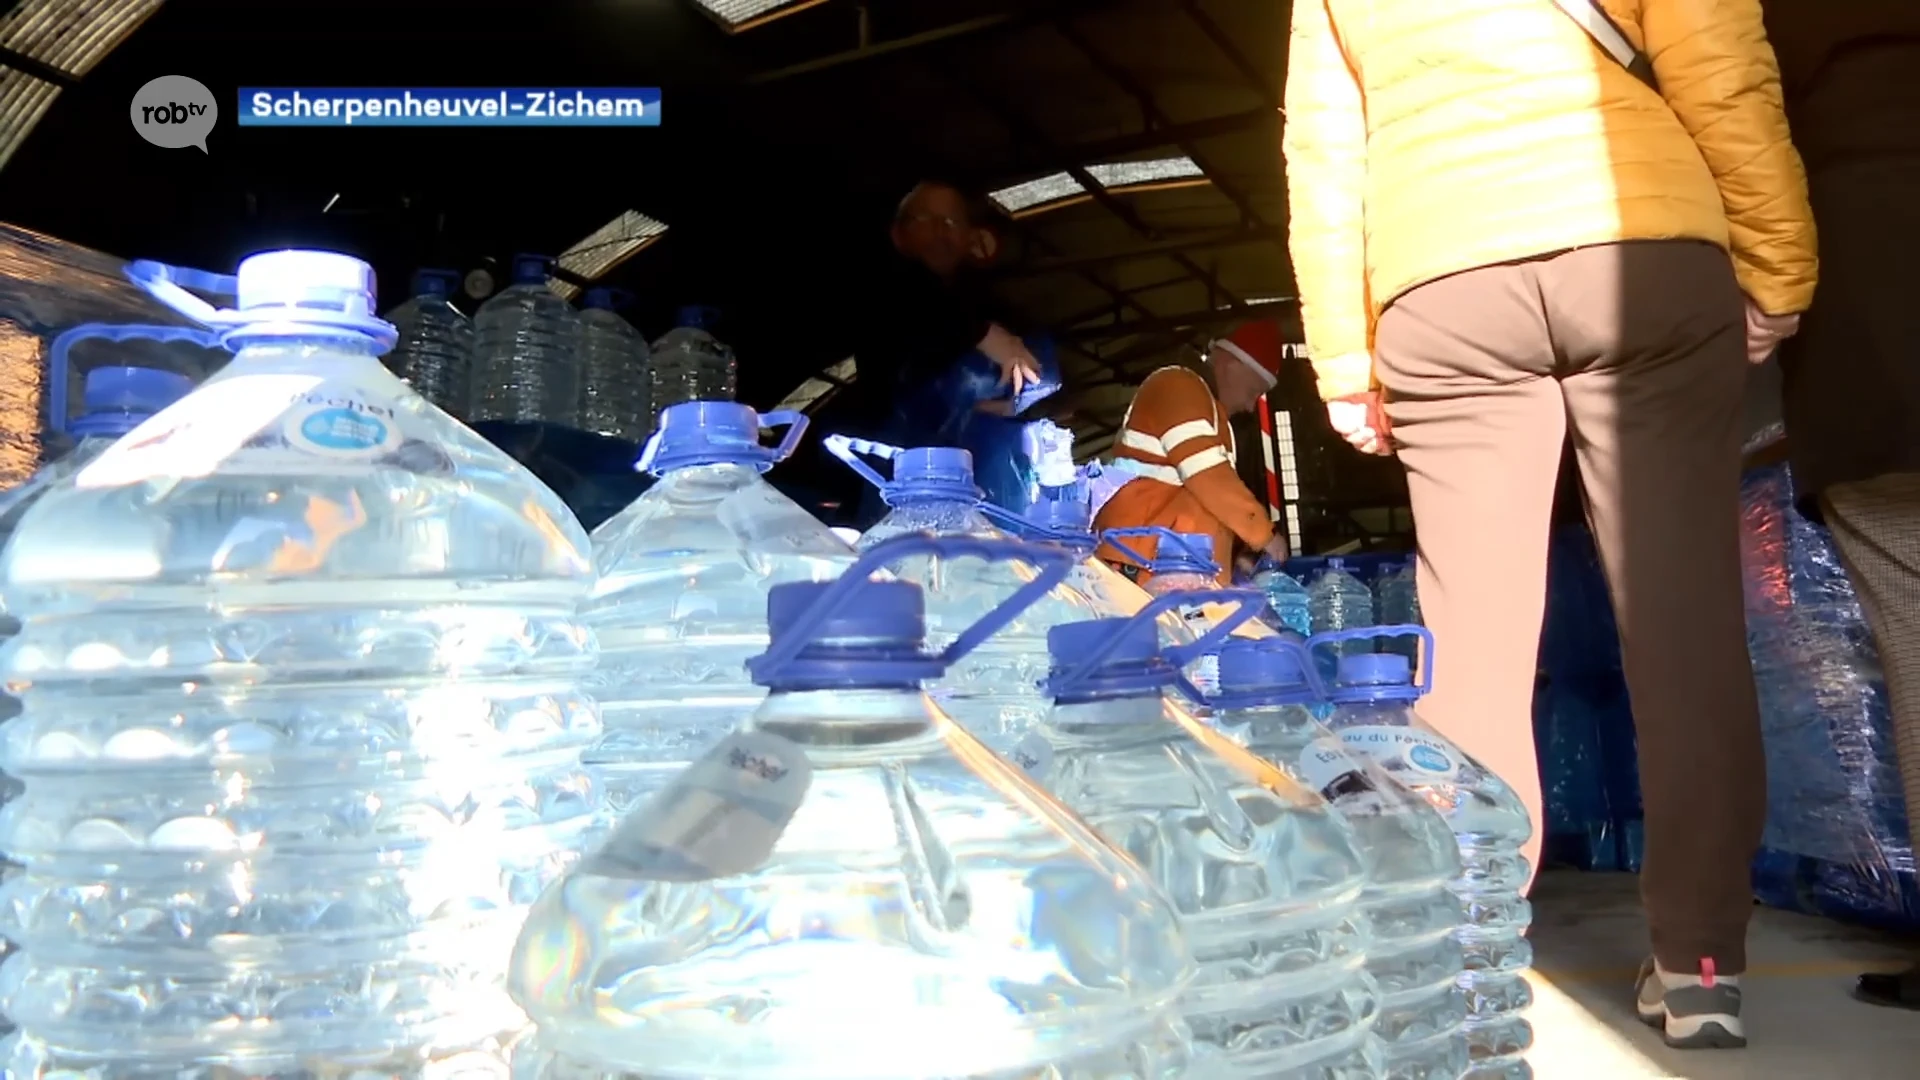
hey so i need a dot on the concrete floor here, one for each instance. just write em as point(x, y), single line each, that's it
point(1589, 938)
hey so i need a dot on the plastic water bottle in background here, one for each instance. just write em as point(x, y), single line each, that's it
point(302, 729)
point(850, 887)
point(995, 691)
point(680, 603)
point(1289, 606)
point(1063, 516)
point(526, 354)
point(1397, 603)
point(1338, 600)
point(1266, 691)
point(616, 389)
point(690, 364)
point(1265, 875)
point(1183, 563)
point(1374, 696)
point(435, 351)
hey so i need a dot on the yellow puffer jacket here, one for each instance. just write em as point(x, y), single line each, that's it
point(1423, 139)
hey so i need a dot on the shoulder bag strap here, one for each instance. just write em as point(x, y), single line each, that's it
point(1606, 33)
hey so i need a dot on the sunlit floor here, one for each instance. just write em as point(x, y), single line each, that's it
point(1801, 1023)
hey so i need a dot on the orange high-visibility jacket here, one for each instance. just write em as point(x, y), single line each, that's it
point(1177, 444)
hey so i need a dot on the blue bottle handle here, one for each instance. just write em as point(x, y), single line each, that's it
point(171, 284)
point(1302, 656)
point(1112, 538)
point(1246, 604)
point(849, 450)
point(60, 363)
point(1371, 633)
point(1052, 565)
point(794, 422)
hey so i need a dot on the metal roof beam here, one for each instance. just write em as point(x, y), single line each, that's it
point(1017, 16)
point(1250, 73)
point(27, 65)
point(1187, 245)
point(1192, 320)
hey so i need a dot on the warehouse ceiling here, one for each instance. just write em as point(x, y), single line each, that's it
point(1133, 143)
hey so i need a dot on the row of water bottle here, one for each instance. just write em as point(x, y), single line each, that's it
point(324, 698)
point(1336, 598)
point(527, 355)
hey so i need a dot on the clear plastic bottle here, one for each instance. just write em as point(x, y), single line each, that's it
point(302, 723)
point(435, 351)
point(1266, 691)
point(526, 353)
point(1266, 876)
point(1288, 606)
point(1374, 713)
point(1183, 563)
point(1063, 515)
point(680, 602)
point(995, 691)
point(851, 887)
point(616, 387)
point(1338, 600)
point(1397, 603)
point(690, 364)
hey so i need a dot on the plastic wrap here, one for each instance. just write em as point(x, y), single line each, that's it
point(1836, 841)
point(1583, 720)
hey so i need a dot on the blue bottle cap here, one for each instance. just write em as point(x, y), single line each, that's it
point(1134, 666)
point(932, 472)
point(707, 433)
point(436, 283)
point(873, 640)
point(598, 300)
point(1373, 677)
point(695, 316)
point(1261, 669)
point(1181, 553)
point(531, 269)
point(117, 399)
point(1066, 509)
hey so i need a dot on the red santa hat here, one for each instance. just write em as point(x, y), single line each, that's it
point(1257, 345)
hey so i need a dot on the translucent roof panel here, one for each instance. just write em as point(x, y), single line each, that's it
point(23, 101)
point(71, 35)
point(1061, 187)
point(815, 391)
point(607, 247)
point(746, 14)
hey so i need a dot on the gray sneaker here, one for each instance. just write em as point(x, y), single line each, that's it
point(1703, 1017)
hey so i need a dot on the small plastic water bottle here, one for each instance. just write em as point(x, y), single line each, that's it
point(1265, 875)
point(526, 365)
point(680, 599)
point(435, 351)
point(995, 689)
point(1267, 689)
point(690, 364)
point(1374, 698)
point(301, 733)
point(851, 887)
point(616, 386)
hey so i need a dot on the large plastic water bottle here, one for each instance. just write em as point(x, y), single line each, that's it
point(616, 387)
point(1374, 696)
point(851, 887)
point(1183, 563)
point(690, 364)
point(1266, 690)
point(302, 721)
point(680, 603)
point(1338, 600)
point(1266, 877)
point(435, 351)
point(1063, 515)
point(995, 691)
point(526, 353)
point(1289, 606)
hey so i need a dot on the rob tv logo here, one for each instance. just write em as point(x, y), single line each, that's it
point(174, 111)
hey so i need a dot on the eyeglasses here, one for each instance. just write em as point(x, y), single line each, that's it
point(940, 220)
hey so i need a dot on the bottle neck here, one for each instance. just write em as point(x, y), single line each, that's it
point(302, 349)
point(849, 718)
point(1179, 581)
point(1132, 709)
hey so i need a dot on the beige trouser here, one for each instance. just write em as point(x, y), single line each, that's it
point(1876, 527)
point(1637, 351)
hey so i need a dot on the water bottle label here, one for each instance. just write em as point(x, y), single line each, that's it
point(1034, 755)
point(1328, 766)
point(721, 816)
point(1426, 757)
point(272, 422)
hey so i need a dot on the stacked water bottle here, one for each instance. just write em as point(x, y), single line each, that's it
point(528, 356)
point(316, 784)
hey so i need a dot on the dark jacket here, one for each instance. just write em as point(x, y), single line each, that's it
point(909, 328)
point(1851, 386)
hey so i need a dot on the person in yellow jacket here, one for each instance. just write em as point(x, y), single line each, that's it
point(1519, 221)
point(1177, 450)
